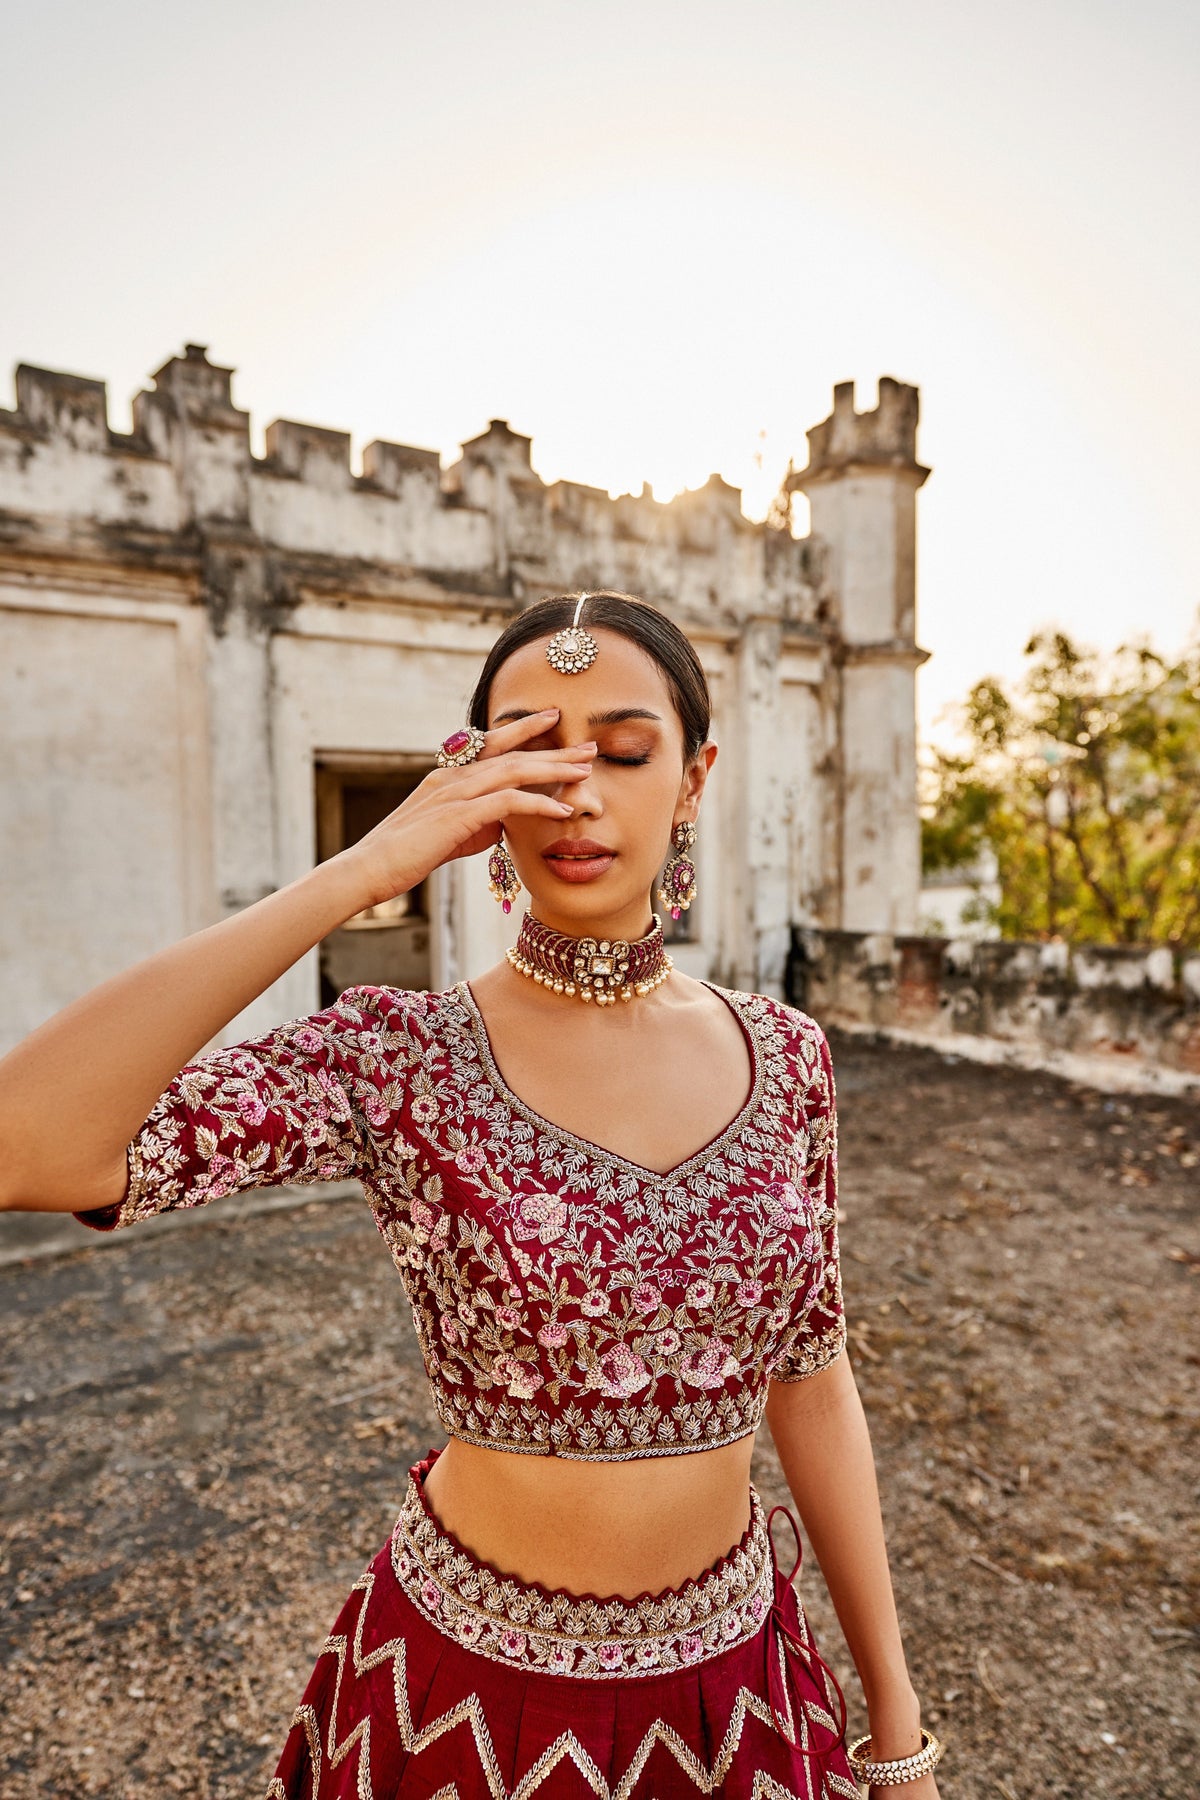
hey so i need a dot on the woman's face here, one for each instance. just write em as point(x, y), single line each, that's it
point(592, 874)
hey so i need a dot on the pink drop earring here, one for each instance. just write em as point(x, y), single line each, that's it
point(678, 888)
point(504, 884)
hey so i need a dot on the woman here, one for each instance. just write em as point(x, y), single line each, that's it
point(617, 1226)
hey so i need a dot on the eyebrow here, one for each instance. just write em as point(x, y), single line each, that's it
point(615, 716)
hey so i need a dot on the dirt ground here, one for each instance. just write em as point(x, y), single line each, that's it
point(203, 1436)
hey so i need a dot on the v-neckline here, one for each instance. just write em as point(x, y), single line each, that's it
point(680, 1170)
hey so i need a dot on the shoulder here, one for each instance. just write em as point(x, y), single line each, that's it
point(393, 1012)
point(784, 1028)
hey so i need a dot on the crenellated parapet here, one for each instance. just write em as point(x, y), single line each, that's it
point(885, 437)
point(488, 523)
point(215, 665)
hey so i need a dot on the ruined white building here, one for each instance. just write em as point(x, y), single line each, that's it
point(217, 669)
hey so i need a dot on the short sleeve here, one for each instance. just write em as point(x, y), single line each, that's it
point(303, 1103)
point(823, 1334)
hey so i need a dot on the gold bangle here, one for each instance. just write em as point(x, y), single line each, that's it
point(896, 1770)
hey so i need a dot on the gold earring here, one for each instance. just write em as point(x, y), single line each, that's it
point(678, 888)
point(504, 884)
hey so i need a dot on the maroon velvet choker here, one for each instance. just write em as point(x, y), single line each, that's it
point(600, 969)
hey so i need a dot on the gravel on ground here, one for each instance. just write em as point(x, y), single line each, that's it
point(204, 1434)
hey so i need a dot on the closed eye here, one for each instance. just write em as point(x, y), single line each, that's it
point(628, 762)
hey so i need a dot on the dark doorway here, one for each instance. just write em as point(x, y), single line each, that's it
point(386, 945)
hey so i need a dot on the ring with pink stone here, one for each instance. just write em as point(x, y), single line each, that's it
point(461, 747)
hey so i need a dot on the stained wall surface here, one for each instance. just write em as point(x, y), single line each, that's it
point(187, 631)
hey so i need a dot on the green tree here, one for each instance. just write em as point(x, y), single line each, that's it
point(1085, 779)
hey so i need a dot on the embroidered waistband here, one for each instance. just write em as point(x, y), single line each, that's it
point(560, 1633)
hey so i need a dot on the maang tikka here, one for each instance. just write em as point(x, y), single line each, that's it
point(678, 888)
point(573, 649)
point(504, 884)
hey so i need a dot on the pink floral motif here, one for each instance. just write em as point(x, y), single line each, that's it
point(426, 1217)
point(646, 1297)
point(315, 1129)
point(708, 1368)
point(777, 1319)
point(377, 1113)
point(310, 1040)
point(691, 1648)
point(335, 1094)
point(509, 1317)
point(594, 1303)
point(521, 1379)
point(785, 1207)
point(560, 1661)
point(748, 1293)
point(512, 1642)
point(624, 1373)
point(450, 1331)
point(700, 1292)
point(553, 1336)
point(251, 1107)
point(431, 1594)
point(758, 1608)
point(222, 1178)
point(470, 1159)
point(667, 1342)
point(611, 1656)
point(467, 1629)
point(648, 1654)
point(540, 1216)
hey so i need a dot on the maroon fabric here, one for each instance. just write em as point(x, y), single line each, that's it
point(396, 1709)
point(568, 1302)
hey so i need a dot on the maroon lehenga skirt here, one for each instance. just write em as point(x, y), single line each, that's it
point(443, 1679)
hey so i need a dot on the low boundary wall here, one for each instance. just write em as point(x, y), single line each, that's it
point(1103, 1002)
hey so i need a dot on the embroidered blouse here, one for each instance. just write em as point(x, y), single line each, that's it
point(567, 1302)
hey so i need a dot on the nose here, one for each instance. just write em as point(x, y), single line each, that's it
point(583, 797)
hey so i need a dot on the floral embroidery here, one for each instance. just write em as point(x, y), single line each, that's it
point(568, 1634)
point(567, 1301)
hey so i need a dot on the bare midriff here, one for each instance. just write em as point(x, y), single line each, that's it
point(605, 1528)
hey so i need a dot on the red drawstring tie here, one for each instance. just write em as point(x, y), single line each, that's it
point(784, 1641)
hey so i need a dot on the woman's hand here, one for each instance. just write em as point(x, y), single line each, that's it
point(895, 1723)
point(458, 811)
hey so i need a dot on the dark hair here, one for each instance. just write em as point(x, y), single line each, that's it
point(635, 619)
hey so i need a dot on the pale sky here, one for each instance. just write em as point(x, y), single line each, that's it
point(653, 236)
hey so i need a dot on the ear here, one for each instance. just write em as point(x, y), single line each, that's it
point(694, 778)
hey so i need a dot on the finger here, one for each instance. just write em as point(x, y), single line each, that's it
point(518, 731)
point(502, 805)
point(524, 768)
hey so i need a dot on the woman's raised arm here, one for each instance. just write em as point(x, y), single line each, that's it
point(75, 1092)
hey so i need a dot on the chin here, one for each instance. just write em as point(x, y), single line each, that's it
point(580, 904)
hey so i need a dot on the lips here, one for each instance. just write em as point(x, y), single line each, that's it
point(578, 859)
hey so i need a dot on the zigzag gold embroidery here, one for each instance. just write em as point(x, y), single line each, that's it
point(470, 1711)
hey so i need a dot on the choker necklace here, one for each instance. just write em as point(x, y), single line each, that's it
point(599, 969)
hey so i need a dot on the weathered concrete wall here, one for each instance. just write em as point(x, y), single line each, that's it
point(186, 628)
point(1093, 1001)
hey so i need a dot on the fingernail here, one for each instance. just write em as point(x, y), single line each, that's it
point(563, 807)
